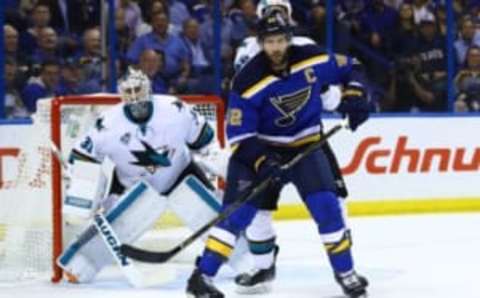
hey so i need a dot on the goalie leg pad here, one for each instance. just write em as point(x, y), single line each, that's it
point(135, 212)
point(193, 202)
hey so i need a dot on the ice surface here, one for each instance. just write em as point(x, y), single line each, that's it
point(402, 256)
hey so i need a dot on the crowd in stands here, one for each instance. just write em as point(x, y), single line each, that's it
point(53, 47)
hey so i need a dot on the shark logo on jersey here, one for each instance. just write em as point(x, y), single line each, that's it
point(288, 105)
point(152, 159)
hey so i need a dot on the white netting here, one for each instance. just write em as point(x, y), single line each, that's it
point(26, 216)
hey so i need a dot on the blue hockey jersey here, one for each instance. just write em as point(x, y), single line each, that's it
point(284, 109)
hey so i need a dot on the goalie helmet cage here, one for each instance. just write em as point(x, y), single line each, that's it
point(59, 109)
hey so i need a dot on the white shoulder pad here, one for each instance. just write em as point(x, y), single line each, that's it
point(246, 51)
point(331, 98)
point(302, 40)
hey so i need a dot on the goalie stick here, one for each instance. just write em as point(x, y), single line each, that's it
point(162, 257)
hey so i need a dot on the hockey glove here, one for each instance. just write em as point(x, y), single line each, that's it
point(355, 105)
point(269, 166)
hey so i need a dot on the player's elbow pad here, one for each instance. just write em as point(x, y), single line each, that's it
point(204, 138)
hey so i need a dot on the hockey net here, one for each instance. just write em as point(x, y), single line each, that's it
point(32, 232)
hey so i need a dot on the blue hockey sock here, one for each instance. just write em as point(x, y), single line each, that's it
point(326, 211)
point(210, 262)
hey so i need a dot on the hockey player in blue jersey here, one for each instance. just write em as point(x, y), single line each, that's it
point(260, 234)
point(274, 112)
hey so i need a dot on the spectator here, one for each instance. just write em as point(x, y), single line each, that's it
point(242, 15)
point(441, 16)
point(39, 19)
point(73, 81)
point(429, 83)
point(468, 37)
point(90, 57)
point(421, 10)
point(124, 35)
point(12, 51)
point(178, 13)
point(406, 32)
point(378, 24)
point(14, 107)
point(200, 11)
point(317, 30)
point(206, 33)
point(42, 86)
point(200, 79)
point(47, 46)
point(72, 17)
point(467, 83)
point(151, 63)
point(131, 12)
point(200, 65)
point(154, 7)
point(10, 35)
point(399, 97)
point(176, 54)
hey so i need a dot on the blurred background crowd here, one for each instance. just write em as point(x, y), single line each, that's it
point(53, 47)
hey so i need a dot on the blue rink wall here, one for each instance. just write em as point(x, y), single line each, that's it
point(394, 164)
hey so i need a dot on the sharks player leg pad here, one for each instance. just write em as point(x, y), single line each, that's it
point(135, 212)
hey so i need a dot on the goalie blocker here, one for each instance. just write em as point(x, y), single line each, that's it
point(132, 215)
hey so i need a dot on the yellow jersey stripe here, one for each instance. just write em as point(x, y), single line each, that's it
point(219, 247)
point(262, 84)
point(309, 62)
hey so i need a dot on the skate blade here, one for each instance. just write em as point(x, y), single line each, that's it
point(261, 288)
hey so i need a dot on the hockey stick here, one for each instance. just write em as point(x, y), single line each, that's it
point(113, 243)
point(162, 257)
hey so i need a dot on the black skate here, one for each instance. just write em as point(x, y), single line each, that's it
point(200, 286)
point(258, 281)
point(353, 285)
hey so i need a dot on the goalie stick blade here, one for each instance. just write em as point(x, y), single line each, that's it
point(146, 256)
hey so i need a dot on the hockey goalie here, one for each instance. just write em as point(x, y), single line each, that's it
point(150, 140)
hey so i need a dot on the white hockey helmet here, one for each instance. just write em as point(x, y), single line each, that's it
point(135, 88)
point(264, 5)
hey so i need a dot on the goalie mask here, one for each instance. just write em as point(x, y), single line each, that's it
point(266, 7)
point(136, 94)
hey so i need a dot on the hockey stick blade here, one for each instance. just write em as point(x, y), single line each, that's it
point(149, 256)
point(142, 255)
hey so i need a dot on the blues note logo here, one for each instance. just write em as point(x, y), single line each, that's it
point(290, 104)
